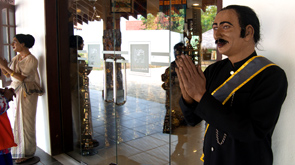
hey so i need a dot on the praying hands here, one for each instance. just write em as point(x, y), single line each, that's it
point(191, 79)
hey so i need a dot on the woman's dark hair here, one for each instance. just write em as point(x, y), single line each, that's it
point(27, 39)
point(75, 41)
point(246, 17)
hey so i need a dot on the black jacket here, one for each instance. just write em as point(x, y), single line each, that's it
point(248, 119)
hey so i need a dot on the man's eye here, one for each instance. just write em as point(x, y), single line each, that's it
point(214, 27)
point(226, 27)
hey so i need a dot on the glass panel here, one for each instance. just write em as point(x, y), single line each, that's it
point(5, 35)
point(4, 16)
point(6, 56)
point(11, 17)
point(6, 52)
point(126, 92)
point(79, 95)
point(13, 53)
point(12, 34)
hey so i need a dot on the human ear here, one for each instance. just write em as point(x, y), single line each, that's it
point(249, 32)
point(22, 44)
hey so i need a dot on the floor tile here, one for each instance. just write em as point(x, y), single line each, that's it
point(147, 159)
point(131, 134)
point(149, 129)
point(146, 143)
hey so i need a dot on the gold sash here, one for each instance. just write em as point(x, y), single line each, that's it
point(244, 74)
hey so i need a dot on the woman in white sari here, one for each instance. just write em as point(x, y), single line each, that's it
point(26, 82)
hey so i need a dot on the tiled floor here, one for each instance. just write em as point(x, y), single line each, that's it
point(131, 134)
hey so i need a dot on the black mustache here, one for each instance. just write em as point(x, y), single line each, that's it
point(220, 40)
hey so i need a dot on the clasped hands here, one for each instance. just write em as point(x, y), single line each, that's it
point(3, 63)
point(192, 80)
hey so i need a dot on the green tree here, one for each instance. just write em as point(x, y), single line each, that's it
point(178, 21)
point(161, 21)
point(208, 17)
point(148, 22)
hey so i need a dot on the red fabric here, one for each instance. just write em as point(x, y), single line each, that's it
point(6, 136)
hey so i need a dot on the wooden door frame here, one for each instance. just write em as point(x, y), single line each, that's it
point(57, 67)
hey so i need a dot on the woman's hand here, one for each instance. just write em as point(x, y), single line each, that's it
point(3, 63)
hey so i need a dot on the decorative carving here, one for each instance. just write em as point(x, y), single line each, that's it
point(87, 142)
point(108, 44)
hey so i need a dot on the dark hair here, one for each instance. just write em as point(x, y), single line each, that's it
point(75, 41)
point(178, 49)
point(246, 17)
point(27, 39)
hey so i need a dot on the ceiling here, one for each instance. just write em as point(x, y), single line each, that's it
point(90, 10)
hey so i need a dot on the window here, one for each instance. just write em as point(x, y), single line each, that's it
point(7, 32)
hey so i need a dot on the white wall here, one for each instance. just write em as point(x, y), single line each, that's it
point(30, 20)
point(277, 30)
point(160, 40)
point(91, 33)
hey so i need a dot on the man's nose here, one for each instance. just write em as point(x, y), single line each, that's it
point(218, 33)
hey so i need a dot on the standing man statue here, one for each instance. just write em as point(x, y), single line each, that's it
point(240, 97)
